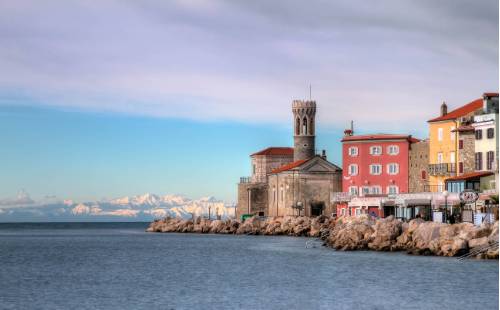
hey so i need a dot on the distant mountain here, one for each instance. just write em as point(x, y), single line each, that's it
point(136, 208)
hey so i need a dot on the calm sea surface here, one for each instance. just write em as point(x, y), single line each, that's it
point(119, 266)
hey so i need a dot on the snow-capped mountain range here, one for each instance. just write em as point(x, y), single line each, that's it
point(135, 208)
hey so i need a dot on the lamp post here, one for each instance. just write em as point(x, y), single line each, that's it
point(445, 194)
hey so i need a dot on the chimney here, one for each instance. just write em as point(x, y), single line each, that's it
point(323, 154)
point(444, 109)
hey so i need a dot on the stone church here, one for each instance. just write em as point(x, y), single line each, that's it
point(291, 181)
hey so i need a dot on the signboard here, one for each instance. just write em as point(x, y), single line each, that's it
point(480, 218)
point(437, 217)
point(469, 196)
point(340, 197)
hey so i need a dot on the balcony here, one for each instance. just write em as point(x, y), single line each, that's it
point(442, 169)
point(245, 179)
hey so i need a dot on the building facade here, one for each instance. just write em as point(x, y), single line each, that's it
point(375, 164)
point(478, 171)
point(444, 142)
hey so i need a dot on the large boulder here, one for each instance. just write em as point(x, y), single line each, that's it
point(251, 226)
point(424, 237)
point(385, 233)
point(351, 233)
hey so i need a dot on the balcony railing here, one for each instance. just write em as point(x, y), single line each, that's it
point(245, 179)
point(442, 169)
point(434, 188)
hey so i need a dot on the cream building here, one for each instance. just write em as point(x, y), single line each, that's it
point(486, 141)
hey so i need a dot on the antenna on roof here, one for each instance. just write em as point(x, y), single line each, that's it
point(352, 126)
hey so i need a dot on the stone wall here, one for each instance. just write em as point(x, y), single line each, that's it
point(419, 161)
point(288, 188)
point(252, 199)
point(466, 155)
point(264, 164)
point(304, 147)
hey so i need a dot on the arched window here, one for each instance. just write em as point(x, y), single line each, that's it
point(304, 126)
point(311, 126)
point(297, 127)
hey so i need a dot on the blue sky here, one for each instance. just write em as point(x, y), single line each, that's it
point(88, 155)
point(111, 98)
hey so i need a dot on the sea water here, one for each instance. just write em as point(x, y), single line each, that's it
point(119, 266)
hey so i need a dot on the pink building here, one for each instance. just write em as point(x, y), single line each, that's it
point(374, 166)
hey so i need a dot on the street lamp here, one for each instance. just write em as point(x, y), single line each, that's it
point(445, 194)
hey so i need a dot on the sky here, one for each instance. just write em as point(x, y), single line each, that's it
point(113, 98)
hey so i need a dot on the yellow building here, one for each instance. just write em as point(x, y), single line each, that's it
point(444, 142)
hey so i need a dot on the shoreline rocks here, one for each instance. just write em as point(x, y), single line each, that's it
point(417, 237)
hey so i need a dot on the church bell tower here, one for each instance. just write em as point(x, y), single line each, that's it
point(304, 113)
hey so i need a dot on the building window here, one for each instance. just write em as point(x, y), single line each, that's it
point(253, 169)
point(353, 169)
point(479, 134)
point(452, 157)
point(342, 211)
point(440, 134)
point(304, 126)
point(366, 190)
point(297, 127)
point(376, 190)
point(452, 134)
point(375, 169)
point(393, 149)
point(460, 144)
point(358, 211)
point(353, 151)
point(490, 158)
point(440, 158)
point(478, 161)
point(392, 190)
point(460, 167)
point(424, 174)
point(375, 150)
point(353, 190)
point(490, 133)
point(392, 168)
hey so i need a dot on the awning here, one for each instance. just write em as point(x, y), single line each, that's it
point(425, 199)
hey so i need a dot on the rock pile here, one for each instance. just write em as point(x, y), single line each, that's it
point(355, 233)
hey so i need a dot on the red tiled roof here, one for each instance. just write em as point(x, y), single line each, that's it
point(490, 94)
point(379, 137)
point(462, 111)
point(275, 151)
point(290, 166)
point(472, 175)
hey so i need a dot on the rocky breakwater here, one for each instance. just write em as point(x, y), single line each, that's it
point(288, 226)
point(416, 237)
point(356, 233)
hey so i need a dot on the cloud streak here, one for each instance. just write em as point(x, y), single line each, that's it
point(246, 60)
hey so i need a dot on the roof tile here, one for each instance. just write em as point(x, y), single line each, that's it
point(290, 166)
point(282, 151)
point(462, 111)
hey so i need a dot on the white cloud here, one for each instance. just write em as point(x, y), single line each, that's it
point(246, 60)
